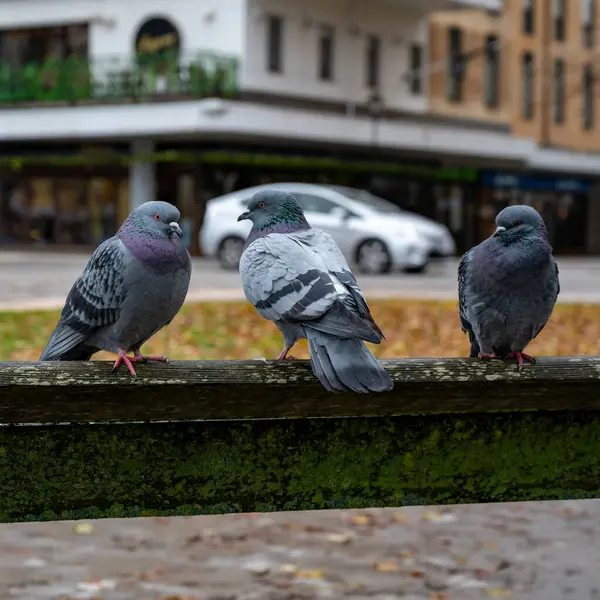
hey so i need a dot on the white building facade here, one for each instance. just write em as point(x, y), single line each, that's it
point(357, 57)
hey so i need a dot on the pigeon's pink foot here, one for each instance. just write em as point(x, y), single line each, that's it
point(521, 356)
point(122, 358)
point(487, 355)
point(284, 355)
point(139, 357)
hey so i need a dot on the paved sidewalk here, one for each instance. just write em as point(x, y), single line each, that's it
point(527, 551)
point(41, 280)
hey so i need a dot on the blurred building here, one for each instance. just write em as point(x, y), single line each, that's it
point(106, 104)
point(450, 108)
point(529, 71)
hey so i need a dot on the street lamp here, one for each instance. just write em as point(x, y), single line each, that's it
point(374, 110)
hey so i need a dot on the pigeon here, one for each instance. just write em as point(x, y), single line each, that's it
point(132, 286)
point(508, 286)
point(298, 278)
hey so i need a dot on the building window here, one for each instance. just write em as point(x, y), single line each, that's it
point(529, 16)
point(559, 18)
point(274, 44)
point(416, 66)
point(559, 91)
point(326, 53)
point(456, 65)
point(373, 60)
point(588, 97)
point(527, 75)
point(492, 71)
point(588, 14)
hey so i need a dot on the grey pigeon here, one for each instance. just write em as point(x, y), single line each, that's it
point(132, 286)
point(508, 285)
point(298, 278)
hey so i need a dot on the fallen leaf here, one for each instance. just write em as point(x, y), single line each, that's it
point(437, 517)
point(233, 330)
point(288, 568)
point(489, 546)
point(309, 574)
point(83, 528)
point(314, 528)
point(355, 586)
point(386, 567)
point(399, 517)
point(498, 592)
point(406, 555)
point(438, 596)
point(340, 538)
point(417, 573)
point(361, 519)
point(481, 573)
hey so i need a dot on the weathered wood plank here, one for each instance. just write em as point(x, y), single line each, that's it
point(83, 392)
point(104, 470)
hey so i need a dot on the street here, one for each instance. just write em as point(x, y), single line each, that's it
point(38, 280)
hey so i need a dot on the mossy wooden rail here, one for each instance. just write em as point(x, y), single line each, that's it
point(220, 437)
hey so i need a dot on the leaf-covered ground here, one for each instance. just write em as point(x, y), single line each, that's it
point(233, 330)
point(525, 551)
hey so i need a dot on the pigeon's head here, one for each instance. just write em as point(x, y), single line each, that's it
point(269, 208)
point(518, 220)
point(160, 219)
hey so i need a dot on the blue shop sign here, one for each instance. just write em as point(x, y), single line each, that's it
point(517, 181)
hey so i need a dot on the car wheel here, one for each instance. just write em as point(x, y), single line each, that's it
point(373, 258)
point(230, 252)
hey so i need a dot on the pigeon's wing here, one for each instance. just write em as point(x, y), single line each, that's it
point(292, 278)
point(337, 265)
point(553, 292)
point(463, 278)
point(463, 275)
point(94, 301)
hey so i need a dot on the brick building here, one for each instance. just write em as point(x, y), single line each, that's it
point(530, 70)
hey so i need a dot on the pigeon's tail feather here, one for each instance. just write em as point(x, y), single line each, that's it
point(67, 344)
point(345, 364)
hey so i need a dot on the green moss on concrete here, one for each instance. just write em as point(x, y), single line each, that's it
point(92, 471)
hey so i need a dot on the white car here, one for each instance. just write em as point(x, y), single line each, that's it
point(374, 234)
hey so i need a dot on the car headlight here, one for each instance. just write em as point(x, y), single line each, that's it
point(407, 233)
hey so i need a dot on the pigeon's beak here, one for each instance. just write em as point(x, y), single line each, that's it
point(499, 230)
point(244, 216)
point(176, 229)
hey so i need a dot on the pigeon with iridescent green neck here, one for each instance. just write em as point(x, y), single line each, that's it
point(132, 286)
point(298, 278)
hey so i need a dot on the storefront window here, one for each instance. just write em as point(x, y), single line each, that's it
point(63, 210)
point(563, 212)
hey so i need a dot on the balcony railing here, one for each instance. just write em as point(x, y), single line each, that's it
point(74, 80)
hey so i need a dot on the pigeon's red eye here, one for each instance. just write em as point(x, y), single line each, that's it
point(517, 223)
point(156, 217)
point(261, 205)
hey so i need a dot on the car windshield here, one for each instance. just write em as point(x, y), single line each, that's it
point(375, 202)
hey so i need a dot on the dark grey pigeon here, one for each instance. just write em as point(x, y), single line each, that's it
point(508, 285)
point(298, 278)
point(132, 286)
